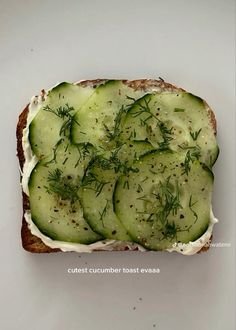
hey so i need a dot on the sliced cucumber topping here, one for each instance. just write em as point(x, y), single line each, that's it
point(175, 121)
point(117, 163)
point(96, 199)
point(54, 197)
point(100, 118)
point(160, 204)
point(98, 186)
point(53, 121)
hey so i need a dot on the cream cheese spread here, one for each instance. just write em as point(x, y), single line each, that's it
point(106, 245)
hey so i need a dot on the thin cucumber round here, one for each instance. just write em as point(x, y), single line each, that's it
point(54, 119)
point(54, 197)
point(161, 205)
point(175, 121)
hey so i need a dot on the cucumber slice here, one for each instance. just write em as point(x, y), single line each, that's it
point(175, 121)
point(54, 119)
point(54, 199)
point(161, 205)
point(101, 116)
point(98, 187)
point(96, 199)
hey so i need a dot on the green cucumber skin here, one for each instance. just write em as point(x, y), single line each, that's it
point(105, 223)
point(45, 128)
point(147, 234)
point(58, 218)
point(194, 116)
point(98, 115)
point(108, 225)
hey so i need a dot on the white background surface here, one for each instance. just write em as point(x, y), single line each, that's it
point(188, 43)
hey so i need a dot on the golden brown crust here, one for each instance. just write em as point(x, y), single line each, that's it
point(150, 84)
point(212, 117)
point(19, 130)
point(34, 244)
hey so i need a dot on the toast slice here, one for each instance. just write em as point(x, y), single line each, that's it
point(34, 244)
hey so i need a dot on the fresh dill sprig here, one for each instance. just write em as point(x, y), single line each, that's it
point(63, 112)
point(169, 201)
point(116, 131)
point(112, 134)
point(131, 99)
point(166, 133)
point(144, 198)
point(194, 135)
point(84, 152)
point(54, 150)
point(139, 188)
point(132, 135)
point(163, 169)
point(169, 231)
point(190, 205)
point(113, 162)
point(55, 175)
point(126, 185)
point(91, 181)
point(192, 154)
point(101, 162)
point(104, 211)
point(63, 186)
point(179, 110)
point(144, 109)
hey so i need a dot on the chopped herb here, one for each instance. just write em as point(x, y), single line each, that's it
point(92, 182)
point(65, 160)
point(84, 151)
point(194, 135)
point(130, 98)
point(153, 172)
point(169, 201)
point(166, 136)
point(63, 112)
point(191, 155)
point(170, 230)
point(145, 179)
point(139, 188)
point(62, 186)
point(104, 211)
point(163, 170)
point(113, 162)
point(54, 158)
point(117, 122)
point(126, 184)
point(190, 205)
point(179, 110)
point(132, 135)
point(166, 132)
point(144, 198)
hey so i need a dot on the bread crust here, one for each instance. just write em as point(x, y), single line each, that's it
point(32, 243)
